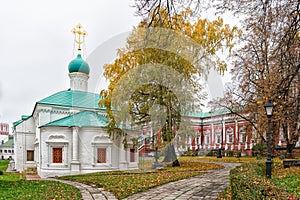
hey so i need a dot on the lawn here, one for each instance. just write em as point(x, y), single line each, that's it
point(11, 187)
point(126, 183)
point(250, 182)
point(288, 178)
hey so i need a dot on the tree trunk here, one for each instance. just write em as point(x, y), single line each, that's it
point(289, 151)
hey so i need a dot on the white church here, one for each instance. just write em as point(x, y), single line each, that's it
point(66, 132)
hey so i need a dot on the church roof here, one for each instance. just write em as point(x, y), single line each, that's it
point(71, 98)
point(82, 119)
point(23, 118)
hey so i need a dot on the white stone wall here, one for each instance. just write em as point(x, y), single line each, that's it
point(89, 139)
point(51, 137)
point(24, 140)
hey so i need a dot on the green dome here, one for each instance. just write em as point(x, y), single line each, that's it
point(79, 65)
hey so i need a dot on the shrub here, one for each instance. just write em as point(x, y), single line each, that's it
point(1, 172)
point(230, 153)
point(260, 149)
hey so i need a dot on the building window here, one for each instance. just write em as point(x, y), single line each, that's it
point(229, 134)
point(132, 155)
point(218, 136)
point(57, 155)
point(198, 139)
point(242, 135)
point(30, 155)
point(207, 133)
point(101, 155)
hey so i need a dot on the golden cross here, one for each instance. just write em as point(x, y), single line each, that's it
point(79, 33)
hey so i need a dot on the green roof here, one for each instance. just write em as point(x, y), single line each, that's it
point(23, 118)
point(209, 114)
point(82, 119)
point(8, 143)
point(71, 98)
point(16, 123)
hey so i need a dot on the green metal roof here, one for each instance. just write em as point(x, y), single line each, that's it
point(209, 114)
point(16, 123)
point(8, 143)
point(71, 98)
point(82, 119)
point(23, 119)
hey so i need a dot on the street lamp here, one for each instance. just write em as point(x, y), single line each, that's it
point(269, 112)
point(219, 152)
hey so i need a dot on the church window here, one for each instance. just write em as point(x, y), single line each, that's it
point(132, 155)
point(30, 155)
point(57, 155)
point(101, 157)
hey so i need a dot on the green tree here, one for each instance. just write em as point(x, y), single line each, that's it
point(156, 76)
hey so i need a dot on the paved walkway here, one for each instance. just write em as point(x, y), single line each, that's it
point(206, 186)
point(89, 192)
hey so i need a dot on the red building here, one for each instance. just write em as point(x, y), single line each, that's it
point(4, 129)
point(210, 131)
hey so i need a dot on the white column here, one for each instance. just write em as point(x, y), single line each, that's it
point(224, 134)
point(123, 164)
point(236, 132)
point(75, 144)
point(75, 164)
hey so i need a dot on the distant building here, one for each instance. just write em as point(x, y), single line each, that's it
point(4, 132)
point(7, 149)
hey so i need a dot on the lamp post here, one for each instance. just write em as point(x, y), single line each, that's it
point(219, 152)
point(269, 112)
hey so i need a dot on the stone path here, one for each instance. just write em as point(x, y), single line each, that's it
point(89, 192)
point(206, 186)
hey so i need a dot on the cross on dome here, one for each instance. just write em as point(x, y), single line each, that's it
point(80, 34)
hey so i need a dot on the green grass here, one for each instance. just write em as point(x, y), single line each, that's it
point(284, 184)
point(288, 178)
point(291, 183)
point(11, 187)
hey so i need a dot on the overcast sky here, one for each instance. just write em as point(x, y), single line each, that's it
point(36, 46)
